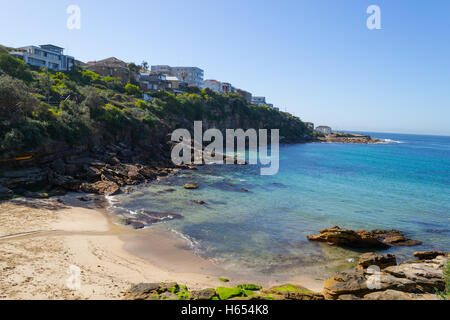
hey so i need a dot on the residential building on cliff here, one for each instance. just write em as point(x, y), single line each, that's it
point(247, 95)
point(111, 67)
point(261, 101)
point(47, 56)
point(324, 129)
point(213, 85)
point(310, 125)
point(193, 76)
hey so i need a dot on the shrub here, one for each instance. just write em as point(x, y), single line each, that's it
point(133, 90)
point(15, 67)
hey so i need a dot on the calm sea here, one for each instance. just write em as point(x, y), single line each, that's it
point(403, 184)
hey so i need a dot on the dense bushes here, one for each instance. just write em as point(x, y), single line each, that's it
point(14, 67)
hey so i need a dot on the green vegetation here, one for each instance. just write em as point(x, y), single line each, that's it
point(38, 106)
point(224, 280)
point(446, 276)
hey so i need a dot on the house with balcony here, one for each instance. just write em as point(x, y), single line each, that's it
point(152, 82)
point(193, 76)
point(45, 56)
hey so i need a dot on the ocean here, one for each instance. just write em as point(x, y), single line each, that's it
point(401, 184)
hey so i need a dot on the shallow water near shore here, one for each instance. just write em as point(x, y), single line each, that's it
point(401, 184)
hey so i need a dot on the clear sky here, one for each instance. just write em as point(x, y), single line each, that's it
point(315, 58)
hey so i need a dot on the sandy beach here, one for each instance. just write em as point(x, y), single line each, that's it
point(41, 239)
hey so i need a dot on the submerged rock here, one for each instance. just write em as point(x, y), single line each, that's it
point(377, 239)
point(191, 186)
point(201, 202)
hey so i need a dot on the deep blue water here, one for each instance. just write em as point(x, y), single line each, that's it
point(401, 185)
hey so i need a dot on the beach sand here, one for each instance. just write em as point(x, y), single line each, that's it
point(41, 239)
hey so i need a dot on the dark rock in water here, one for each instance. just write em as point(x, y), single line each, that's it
point(5, 193)
point(133, 223)
point(199, 202)
point(244, 190)
point(430, 255)
point(395, 238)
point(375, 259)
point(84, 199)
point(107, 188)
point(191, 186)
point(148, 218)
point(377, 239)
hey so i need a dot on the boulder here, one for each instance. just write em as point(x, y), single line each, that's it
point(201, 202)
point(143, 291)
point(191, 186)
point(345, 283)
point(205, 294)
point(430, 255)
point(427, 276)
point(375, 259)
point(107, 188)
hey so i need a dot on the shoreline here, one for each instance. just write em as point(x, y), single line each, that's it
point(41, 239)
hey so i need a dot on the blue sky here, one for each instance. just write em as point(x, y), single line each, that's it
point(315, 58)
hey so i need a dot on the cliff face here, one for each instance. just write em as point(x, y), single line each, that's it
point(81, 131)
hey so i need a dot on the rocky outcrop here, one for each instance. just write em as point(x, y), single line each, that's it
point(377, 239)
point(5, 193)
point(375, 259)
point(410, 280)
point(429, 255)
point(399, 295)
point(107, 188)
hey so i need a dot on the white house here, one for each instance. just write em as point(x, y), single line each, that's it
point(47, 56)
point(324, 129)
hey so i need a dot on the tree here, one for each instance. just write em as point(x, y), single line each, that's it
point(144, 66)
point(15, 98)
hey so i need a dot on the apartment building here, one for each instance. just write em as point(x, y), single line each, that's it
point(46, 56)
point(193, 76)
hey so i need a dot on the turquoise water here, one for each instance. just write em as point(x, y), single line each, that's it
point(401, 185)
